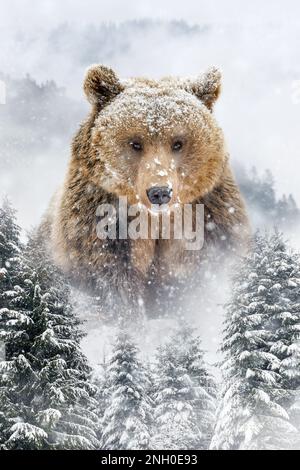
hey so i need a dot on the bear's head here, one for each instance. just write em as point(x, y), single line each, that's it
point(155, 141)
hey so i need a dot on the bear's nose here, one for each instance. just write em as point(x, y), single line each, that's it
point(159, 195)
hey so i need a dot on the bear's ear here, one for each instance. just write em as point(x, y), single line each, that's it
point(101, 85)
point(207, 87)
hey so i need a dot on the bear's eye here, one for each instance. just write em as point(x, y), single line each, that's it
point(177, 145)
point(135, 145)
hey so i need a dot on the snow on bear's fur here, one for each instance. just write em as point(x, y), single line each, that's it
point(140, 134)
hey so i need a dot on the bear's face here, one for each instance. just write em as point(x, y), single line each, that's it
point(155, 142)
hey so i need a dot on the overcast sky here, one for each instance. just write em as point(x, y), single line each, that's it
point(24, 14)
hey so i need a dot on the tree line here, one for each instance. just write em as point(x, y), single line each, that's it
point(50, 399)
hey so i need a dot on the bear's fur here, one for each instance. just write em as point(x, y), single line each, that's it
point(105, 165)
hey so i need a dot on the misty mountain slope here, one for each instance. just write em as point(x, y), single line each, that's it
point(36, 126)
point(265, 208)
point(35, 117)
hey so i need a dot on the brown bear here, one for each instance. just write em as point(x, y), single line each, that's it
point(157, 143)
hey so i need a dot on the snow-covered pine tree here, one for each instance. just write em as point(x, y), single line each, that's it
point(127, 419)
point(10, 259)
point(284, 289)
point(45, 393)
point(204, 385)
point(13, 320)
point(185, 397)
point(253, 412)
point(9, 234)
point(101, 381)
point(175, 420)
point(63, 389)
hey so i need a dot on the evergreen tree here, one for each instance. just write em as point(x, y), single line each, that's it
point(284, 284)
point(287, 212)
point(45, 394)
point(260, 341)
point(9, 234)
point(260, 195)
point(204, 385)
point(12, 320)
point(127, 418)
point(101, 381)
point(185, 398)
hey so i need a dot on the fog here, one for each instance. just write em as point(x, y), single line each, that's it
point(26, 14)
point(256, 45)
